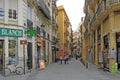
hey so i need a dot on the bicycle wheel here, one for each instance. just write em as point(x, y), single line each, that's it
point(7, 72)
point(19, 70)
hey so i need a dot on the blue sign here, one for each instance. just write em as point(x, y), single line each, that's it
point(11, 32)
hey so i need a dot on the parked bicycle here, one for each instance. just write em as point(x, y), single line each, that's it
point(13, 69)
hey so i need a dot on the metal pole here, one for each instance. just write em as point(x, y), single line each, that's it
point(24, 57)
point(55, 54)
point(3, 63)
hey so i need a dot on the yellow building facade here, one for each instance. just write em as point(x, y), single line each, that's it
point(63, 33)
point(103, 30)
point(83, 46)
point(75, 34)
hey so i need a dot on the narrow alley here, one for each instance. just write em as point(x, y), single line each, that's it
point(75, 70)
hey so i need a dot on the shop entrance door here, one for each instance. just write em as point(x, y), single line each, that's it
point(29, 54)
point(118, 55)
point(118, 48)
point(1, 54)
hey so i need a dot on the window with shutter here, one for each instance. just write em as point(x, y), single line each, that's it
point(14, 14)
point(10, 13)
point(1, 9)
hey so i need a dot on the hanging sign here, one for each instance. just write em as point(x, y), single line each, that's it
point(23, 42)
point(31, 32)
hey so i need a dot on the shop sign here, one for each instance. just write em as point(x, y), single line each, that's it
point(42, 64)
point(11, 32)
point(31, 32)
point(23, 42)
point(118, 33)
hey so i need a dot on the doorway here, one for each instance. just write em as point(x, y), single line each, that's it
point(38, 55)
point(118, 48)
point(1, 54)
point(29, 54)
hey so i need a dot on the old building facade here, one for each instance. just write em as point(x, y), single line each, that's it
point(63, 31)
point(102, 29)
point(26, 32)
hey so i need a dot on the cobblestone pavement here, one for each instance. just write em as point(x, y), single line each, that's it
point(75, 70)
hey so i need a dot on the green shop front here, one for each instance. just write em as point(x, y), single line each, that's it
point(9, 46)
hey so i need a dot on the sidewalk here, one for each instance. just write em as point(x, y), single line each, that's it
point(27, 76)
point(93, 70)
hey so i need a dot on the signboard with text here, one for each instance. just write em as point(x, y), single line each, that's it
point(11, 32)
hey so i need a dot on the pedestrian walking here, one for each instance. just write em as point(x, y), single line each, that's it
point(76, 56)
point(61, 59)
point(65, 58)
point(79, 55)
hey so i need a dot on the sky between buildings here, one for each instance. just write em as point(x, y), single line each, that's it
point(74, 10)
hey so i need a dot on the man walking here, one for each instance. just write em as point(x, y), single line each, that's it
point(65, 59)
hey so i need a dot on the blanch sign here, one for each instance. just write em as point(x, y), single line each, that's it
point(11, 32)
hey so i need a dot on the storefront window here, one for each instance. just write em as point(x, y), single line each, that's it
point(13, 51)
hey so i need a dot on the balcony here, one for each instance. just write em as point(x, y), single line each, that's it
point(93, 20)
point(85, 7)
point(92, 4)
point(54, 3)
point(29, 24)
point(100, 8)
point(104, 8)
point(44, 8)
point(87, 18)
point(114, 1)
point(90, 1)
point(66, 32)
point(38, 30)
point(54, 22)
point(86, 33)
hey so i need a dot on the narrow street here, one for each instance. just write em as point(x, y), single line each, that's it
point(75, 70)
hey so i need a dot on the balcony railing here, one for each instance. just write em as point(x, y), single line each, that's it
point(93, 20)
point(90, 1)
point(54, 3)
point(100, 7)
point(38, 30)
point(114, 1)
point(86, 33)
point(53, 20)
point(44, 8)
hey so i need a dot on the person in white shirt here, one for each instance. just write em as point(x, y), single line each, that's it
point(61, 59)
